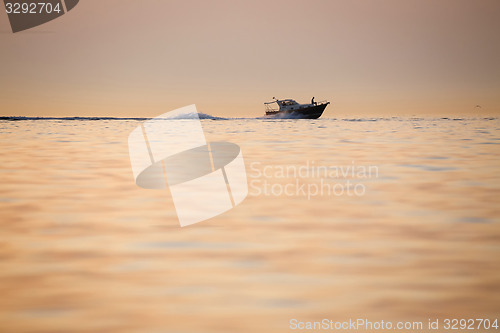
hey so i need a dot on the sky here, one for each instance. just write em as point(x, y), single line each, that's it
point(125, 58)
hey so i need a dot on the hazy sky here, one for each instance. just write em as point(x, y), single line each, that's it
point(143, 58)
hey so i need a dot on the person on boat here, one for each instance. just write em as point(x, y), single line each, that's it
point(313, 102)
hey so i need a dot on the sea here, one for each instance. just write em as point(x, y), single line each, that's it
point(373, 221)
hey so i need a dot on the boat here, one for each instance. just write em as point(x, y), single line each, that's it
point(288, 108)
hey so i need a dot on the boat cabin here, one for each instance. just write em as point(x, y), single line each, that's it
point(284, 105)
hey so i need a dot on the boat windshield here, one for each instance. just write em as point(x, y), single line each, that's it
point(288, 102)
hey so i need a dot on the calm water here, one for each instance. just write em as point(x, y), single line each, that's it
point(83, 249)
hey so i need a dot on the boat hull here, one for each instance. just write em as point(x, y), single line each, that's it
point(313, 112)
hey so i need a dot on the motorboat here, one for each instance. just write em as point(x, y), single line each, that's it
point(289, 108)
